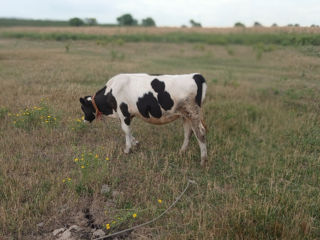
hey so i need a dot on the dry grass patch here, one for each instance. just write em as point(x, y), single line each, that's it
point(263, 140)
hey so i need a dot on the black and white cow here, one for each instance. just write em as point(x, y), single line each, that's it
point(157, 99)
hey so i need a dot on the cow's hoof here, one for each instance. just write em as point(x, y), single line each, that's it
point(127, 151)
point(204, 161)
point(182, 151)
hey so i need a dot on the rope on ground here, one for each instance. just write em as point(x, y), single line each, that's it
point(153, 220)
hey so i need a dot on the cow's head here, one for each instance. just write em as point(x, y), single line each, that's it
point(88, 109)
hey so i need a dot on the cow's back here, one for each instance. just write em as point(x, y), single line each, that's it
point(155, 96)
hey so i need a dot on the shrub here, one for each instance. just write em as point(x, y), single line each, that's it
point(76, 22)
point(148, 22)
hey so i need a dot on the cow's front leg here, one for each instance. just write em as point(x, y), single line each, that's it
point(127, 131)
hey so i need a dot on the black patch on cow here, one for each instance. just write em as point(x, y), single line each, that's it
point(125, 112)
point(199, 79)
point(87, 109)
point(148, 104)
point(155, 74)
point(164, 97)
point(105, 103)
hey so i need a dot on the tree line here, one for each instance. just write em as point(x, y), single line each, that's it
point(123, 20)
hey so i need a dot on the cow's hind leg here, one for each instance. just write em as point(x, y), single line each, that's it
point(187, 134)
point(200, 133)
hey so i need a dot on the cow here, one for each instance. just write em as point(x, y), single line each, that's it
point(157, 99)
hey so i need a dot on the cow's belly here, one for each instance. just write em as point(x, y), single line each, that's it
point(162, 120)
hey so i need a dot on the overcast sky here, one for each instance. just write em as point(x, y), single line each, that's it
point(216, 13)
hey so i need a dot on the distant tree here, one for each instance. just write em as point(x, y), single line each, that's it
point(239, 24)
point(290, 25)
point(148, 22)
point(194, 23)
point(91, 21)
point(297, 25)
point(314, 26)
point(76, 22)
point(257, 24)
point(127, 20)
point(274, 25)
point(184, 26)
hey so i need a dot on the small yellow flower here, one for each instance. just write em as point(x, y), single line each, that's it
point(82, 166)
point(107, 158)
point(134, 215)
point(82, 118)
point(82, 159)
point(69, 179)
point(63, 180)
point(46, 121)
point(76, 159)
point(49, 116)
point(107, 226)
point(159, 201)
point(114, 222)
point(96, 156)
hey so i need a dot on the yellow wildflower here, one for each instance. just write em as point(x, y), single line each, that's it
point(82, 166)
point(159, 201)
point(69, 179)
point(96, 156)
point(82, 118)
point(134, 215)
point(107, 226)
point(63, 180)
point(114, 222)
point(49, 116)
point(107, 158)
point(76, 159)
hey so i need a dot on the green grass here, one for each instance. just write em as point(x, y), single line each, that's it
point(284, 39)
point(9, 22)
point(262, 179)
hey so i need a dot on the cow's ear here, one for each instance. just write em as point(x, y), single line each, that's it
point(82, 101)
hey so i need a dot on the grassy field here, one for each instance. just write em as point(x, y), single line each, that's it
point(262, 112)
point(285, 36)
